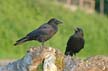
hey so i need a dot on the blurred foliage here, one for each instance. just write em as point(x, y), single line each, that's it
point(97, 7)
point(19, 17)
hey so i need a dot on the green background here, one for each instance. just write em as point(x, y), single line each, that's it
point(19, 17)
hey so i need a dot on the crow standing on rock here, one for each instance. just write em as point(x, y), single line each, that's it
point(43, 33)
point(75, 42)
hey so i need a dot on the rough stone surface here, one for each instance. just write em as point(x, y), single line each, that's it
point(54, 60)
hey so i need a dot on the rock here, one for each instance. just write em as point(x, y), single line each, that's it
point(94, 63)
point(32, 59)
point(54, 60)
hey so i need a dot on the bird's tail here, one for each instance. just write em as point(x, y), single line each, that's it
point(20, 41)
point(68, 52)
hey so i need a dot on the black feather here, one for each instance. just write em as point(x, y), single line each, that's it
point(75, 43)
point(20, 41)
point(43, 33)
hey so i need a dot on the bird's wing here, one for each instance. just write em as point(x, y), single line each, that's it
point(75, 43)
point(71, 41)
point(83, 42)
point(47, 29)
point(44, 29)
point(69, 46)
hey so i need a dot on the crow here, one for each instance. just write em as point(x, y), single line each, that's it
point(75, 42)
point(43, 33)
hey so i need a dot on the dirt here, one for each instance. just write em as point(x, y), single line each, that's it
point(4, 62)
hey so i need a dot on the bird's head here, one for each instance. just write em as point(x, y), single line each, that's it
point(79, 31)
point(54, 21)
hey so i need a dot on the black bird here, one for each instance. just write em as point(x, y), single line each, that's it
point(43, 33)
point(75, 42)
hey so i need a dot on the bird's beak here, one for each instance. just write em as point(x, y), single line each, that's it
point(60, 22)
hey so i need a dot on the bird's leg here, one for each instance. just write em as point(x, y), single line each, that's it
point(42, 44)
point(74, 55)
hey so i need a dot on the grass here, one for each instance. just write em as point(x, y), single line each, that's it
point(19, 17)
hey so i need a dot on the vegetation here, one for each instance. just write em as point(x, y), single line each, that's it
point(97, 6)
point(18, 17)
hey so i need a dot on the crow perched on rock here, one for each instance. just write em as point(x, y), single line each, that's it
point(75, 42)
point(43, 33)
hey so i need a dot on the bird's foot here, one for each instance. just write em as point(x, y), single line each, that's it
point(42, 46)
point(74, 56)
